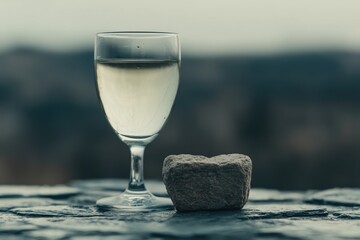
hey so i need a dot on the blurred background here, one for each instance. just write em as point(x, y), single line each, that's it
point(276, 80)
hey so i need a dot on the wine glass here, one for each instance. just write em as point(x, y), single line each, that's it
point(137, 79)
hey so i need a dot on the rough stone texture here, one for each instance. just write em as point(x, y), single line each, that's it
point(201, 183)
point(269, 214)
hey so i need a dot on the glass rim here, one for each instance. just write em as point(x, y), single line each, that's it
point(135, 33)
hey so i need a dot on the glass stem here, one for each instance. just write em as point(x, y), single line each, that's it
point(136, 183)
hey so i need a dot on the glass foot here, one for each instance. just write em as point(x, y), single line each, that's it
point(135, 201)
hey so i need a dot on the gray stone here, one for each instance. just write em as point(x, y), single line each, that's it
point(16, 227)
point(201, 183)
point(56, 211)
point(47, 234)
point(8, 203)
point(336, 196)
point(269, 214)
point(279, 210)
point(351, 213)
point(58, 191)
point(272, 195)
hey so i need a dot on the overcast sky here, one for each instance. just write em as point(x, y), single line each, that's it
point(205, 26)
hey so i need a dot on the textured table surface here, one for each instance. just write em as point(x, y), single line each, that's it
point(68, 212)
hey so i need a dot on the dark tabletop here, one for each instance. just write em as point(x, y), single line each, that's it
point(69, 212)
